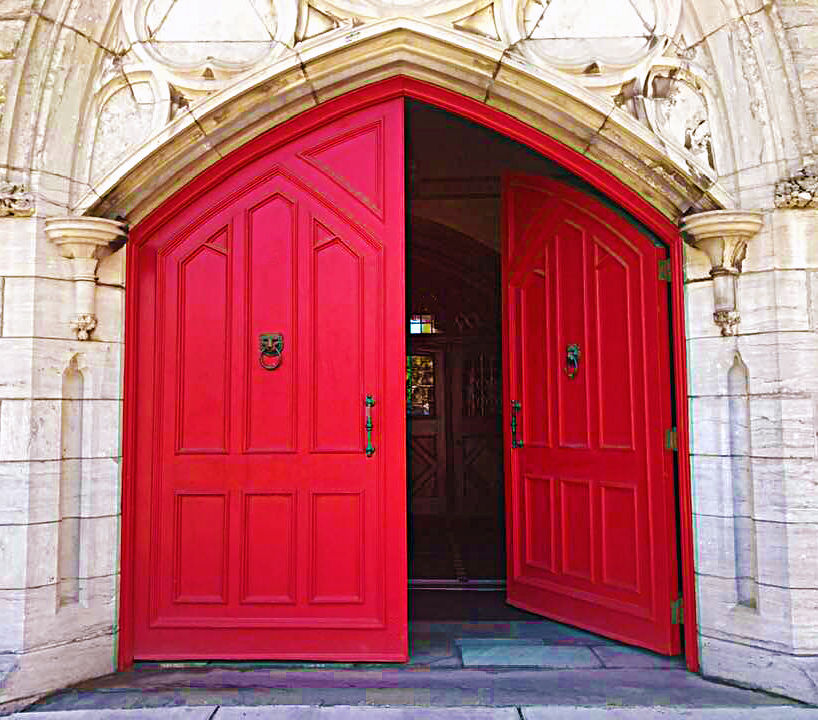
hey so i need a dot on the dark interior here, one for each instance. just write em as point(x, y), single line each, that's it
point(454, 393)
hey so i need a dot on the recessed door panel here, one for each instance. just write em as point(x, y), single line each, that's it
point(272, 520)
point(591, 540)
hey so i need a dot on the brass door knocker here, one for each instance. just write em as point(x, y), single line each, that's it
point(572, 357)
point(271, 345)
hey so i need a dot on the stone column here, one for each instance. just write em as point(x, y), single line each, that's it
point(61, 322)
point(753, 401)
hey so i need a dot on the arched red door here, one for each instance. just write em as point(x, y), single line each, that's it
point(589, 483)
point(270, 520)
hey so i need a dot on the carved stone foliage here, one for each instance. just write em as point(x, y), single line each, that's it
point(15, 200)
point(199, 44)
point(799, 191)
point(677, 110)
point(603, 42)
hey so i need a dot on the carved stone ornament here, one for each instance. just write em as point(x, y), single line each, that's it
point(15, 201)
point(799, 191)
point(84, 241)
point(199, 45)
point(603, 42)
point(723, 236)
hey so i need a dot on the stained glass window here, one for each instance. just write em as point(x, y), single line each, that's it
point(422, 324)
point(420, 385)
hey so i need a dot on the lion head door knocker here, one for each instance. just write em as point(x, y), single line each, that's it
point(572, 358)
point(271, 345)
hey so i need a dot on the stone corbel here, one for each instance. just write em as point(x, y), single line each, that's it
point(84, 241)
point(723, 236)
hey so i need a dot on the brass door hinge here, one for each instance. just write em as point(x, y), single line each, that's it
point(677, 611)
point(671, 439)
point(664, 270)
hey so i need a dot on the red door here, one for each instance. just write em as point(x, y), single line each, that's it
point(264, 528)
point(589, 495)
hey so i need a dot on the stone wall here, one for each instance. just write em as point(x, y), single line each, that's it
point(105, 112)
point(754, 399)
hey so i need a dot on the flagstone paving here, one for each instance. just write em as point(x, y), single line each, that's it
point(486, 664)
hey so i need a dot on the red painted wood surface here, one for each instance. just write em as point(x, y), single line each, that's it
point(589, 497)
point(398, 87)
point(262, 528)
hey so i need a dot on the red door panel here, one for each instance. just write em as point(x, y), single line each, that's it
point(264, 530)
point(589, 495)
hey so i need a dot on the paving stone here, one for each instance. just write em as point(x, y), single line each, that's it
point(783, 712)
point(618, 656)
point(552, 633)
point(164, 713)
point(527, 655)
point(365, 713)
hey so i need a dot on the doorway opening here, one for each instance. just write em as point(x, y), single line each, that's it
point(454, 345)
point(455, 489)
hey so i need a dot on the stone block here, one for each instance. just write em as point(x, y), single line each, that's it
point(41, 555)
point(13, 550)
point(773, 301)
point(49, 623)
point(44, 308)
point(12, 620)
point(793, 233)
point(111, 270)
point(785, 489)
point(26, 252)
point(49, 669)
point(709, 426)
point(110, 306)
point(30, 429)
point(102, 429)
point(758, 667)
point(699, 310)
point(712, 484)
point(99, 552)
point(31, 490)
point(782, 427)
point(100, 364)
point(15, 367)
point(720, 615)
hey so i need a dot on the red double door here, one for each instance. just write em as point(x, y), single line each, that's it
point(269, 450)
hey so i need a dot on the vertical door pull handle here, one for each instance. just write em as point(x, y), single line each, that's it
point(370, 448)
point(515, 408)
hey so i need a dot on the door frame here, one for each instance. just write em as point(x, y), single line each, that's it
point(482, 114)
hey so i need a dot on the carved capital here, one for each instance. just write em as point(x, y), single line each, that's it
point(799, 191)
point(15, 201)
point(723, 236)
point(84, 240)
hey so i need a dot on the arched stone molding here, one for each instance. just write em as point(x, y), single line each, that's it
point(742, 51)
point(473, 66)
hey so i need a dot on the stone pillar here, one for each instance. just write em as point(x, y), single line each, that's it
point(753, 401)
point(61, 322)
